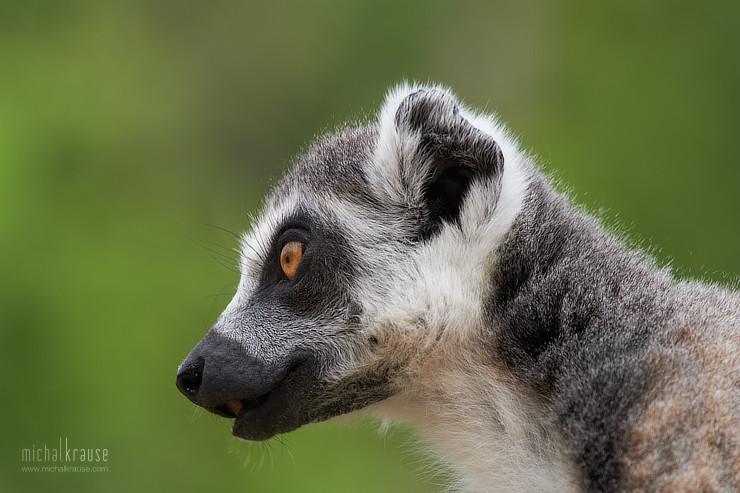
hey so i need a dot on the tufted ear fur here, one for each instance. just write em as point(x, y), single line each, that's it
point(439, 153)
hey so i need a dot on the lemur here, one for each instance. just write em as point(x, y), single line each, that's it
point(422, 268)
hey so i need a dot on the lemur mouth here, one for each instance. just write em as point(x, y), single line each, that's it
point(233, 408)
point(279, 410)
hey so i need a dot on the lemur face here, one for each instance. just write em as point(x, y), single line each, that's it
point(341, 277)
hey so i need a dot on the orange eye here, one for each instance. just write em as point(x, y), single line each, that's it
point(290, 257)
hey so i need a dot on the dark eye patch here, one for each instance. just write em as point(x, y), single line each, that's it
point(324, 275)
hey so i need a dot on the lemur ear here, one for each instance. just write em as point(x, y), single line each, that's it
point(442, 154)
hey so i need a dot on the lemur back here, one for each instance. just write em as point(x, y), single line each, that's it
point(421, 268)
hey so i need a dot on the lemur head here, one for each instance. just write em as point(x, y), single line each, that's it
point(370, 257)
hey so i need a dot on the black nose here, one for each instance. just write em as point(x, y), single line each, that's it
point(189, 377)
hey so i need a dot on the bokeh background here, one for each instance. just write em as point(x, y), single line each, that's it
point(131, 132)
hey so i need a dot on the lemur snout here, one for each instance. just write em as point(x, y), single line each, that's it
point(218, 372)
point(220, 376)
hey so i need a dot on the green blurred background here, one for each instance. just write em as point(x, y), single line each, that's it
point(128, 127)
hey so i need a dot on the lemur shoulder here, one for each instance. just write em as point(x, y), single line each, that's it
point(420, 267)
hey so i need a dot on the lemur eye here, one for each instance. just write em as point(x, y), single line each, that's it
point(290, 257)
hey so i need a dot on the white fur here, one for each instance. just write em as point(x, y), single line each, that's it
point(470, 415)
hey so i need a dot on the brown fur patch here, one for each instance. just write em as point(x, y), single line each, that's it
point(688, 436)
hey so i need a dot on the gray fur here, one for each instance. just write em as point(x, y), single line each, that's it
point(445, 282)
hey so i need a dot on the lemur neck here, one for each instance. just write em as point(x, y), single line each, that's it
point(555, 274)
point(488, 429)
point(568, 300)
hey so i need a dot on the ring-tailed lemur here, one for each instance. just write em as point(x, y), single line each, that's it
point(422, 268)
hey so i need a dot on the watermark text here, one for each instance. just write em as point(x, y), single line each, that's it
point(61, 457)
